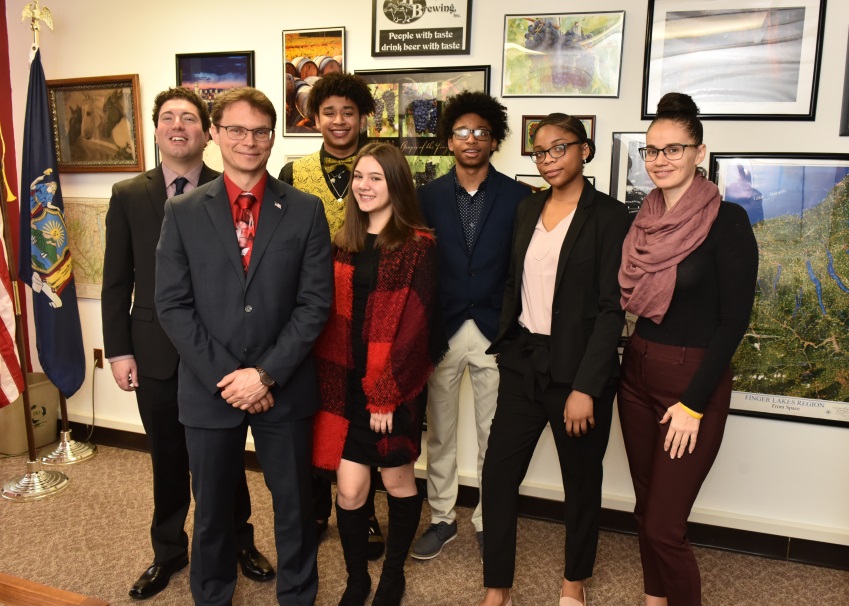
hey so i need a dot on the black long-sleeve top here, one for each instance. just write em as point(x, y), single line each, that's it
point(712, 301)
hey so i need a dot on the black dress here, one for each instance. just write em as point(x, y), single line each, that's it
point(361, 441)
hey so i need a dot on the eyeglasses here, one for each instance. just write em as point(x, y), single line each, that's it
point(672, 152)
point(555, 151)
point(238, 133)
point(481, 134)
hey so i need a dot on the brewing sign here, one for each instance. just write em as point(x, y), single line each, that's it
point(404, 28)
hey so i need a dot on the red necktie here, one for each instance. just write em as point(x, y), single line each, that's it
point(245, 226)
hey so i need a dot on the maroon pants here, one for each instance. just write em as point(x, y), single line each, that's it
point(652, 379)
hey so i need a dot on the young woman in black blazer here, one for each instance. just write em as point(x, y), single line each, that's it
point(559, 329)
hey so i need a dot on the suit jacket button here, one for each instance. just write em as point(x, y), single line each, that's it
point(556, 311)
point(248, 308)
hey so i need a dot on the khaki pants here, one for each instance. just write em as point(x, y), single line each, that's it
point(467, 349)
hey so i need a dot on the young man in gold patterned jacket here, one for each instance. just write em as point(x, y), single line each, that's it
point(340, 104)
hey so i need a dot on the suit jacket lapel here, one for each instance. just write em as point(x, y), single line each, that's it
point(156, 194)
point(271, 212)
point(524, 232)
point(582, 211)
point(488, 203)
point(218, 208)
point(450, 195)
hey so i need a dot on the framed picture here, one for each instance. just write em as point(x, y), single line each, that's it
point(409, 107)
point(308, 54)
point(529, 128)
point(410, 28)
point(96, 124)
point(629, 181)
point(793, 360)
point(537, 183)
point(85, 219)
point(209, 74)
point(738, 59)
point(844, 113)
point(562, 55)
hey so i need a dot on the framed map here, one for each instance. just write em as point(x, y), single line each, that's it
point(793, 362)
point(86, 222)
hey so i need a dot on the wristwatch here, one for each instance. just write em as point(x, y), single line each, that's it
point(265, 378)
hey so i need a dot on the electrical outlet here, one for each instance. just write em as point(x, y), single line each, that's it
point(98, 357)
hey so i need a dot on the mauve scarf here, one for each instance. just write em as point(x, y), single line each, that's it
point(658, 241)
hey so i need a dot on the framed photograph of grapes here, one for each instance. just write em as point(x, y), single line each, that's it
point(409, 107)
point(738, 59)
point(529, 128)
point(308, 54)
point(793, 360)
point(562, 55)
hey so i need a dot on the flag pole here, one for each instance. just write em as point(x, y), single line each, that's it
point(36, 483)
point(68, 451)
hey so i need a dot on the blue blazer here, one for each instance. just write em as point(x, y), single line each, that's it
point(471, 283)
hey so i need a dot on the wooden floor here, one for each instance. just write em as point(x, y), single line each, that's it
point(19, 592)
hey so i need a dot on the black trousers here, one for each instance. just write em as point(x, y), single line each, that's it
point(518, 423)
point(284, 449)
point(166, 438)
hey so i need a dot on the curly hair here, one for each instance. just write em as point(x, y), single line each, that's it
point(340, 84)
point(485, 106)
point(189, 95)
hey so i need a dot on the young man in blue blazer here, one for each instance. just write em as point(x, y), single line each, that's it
point(472, 210)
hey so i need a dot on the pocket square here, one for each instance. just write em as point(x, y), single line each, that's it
point(277, 205)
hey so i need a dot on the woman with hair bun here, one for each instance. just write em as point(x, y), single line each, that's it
point(689, 266)
point(556, 345)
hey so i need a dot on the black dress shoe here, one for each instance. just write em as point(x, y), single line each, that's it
point(376, 543)
point(254, 565)
point(155, 579)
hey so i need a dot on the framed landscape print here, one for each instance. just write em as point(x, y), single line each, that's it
point(308, 54)
point(96, 124)
point(409, 108)
point(738, 59)
point(562, 55)
point(793, 362)
point(209, 74)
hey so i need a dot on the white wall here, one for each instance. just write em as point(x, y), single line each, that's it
point(790, 479)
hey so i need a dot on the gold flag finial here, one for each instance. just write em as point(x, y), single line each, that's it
point(36, 13)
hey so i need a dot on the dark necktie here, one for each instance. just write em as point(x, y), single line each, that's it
point(179, 185)
point(245, 226)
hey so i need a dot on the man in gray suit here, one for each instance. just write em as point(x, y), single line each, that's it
point(243, 288)
point(142, 358)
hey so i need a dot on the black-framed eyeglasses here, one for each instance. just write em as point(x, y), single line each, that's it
point(480, 134)
point(238, 133)
point(555, 151)
point(672, 152)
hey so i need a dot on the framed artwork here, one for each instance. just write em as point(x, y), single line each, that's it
point(844, 113)
point(529, 128)
point(96, 124)
point(793, 361)
point(308, 54)
point(629, 181)
point(537, 183)
point(411, 28)
point(85, 219)
point(562, 55)
point(409, 107)
point(209, 74)
point(738, 59)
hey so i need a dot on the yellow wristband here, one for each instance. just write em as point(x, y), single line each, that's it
point(692, 413)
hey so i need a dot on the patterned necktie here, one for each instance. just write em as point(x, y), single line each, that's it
point(180, 184)
point(245, 226)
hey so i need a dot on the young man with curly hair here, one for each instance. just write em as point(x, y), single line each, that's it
point(340, 104)
point(472, 210)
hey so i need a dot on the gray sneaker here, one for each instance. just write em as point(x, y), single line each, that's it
point(434, 538)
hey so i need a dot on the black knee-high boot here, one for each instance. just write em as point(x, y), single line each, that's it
point(353, 532)
point(404, 515)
